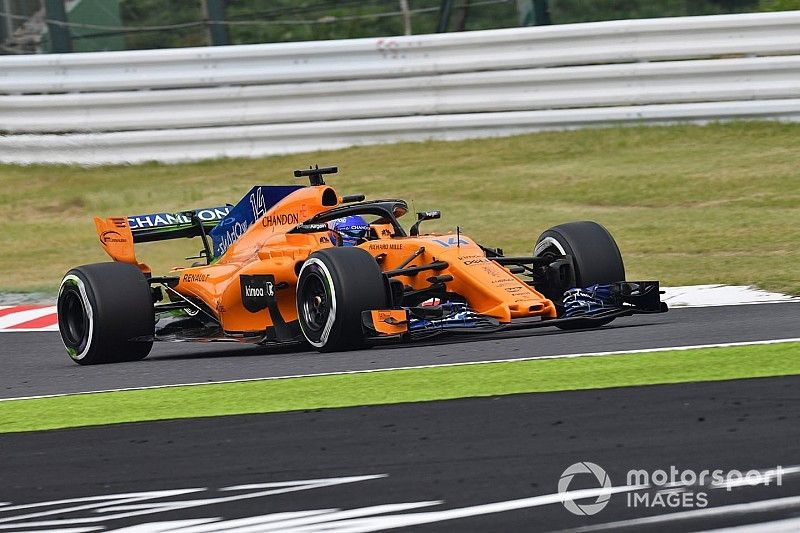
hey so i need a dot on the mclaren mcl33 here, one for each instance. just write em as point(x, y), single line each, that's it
point(304, 264)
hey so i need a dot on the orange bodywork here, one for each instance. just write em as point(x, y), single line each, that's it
point(489, 288)
point(266, 248)
point(117, 240)
point(389, 321)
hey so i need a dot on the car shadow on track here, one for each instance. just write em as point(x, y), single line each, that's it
point(247, 350)
point(442, 340)
point(465, 338)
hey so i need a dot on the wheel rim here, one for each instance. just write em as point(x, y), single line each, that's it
point(75, 317)
point(73, 321)
point(76, 320)
point(315, 303)
point(548, 246)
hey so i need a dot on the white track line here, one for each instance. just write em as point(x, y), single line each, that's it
point(418, 367)
point(787, 525)
point(710, 512)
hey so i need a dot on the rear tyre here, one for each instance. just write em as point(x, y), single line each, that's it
point(595, 256)
point(106, 314)
point(334, 286)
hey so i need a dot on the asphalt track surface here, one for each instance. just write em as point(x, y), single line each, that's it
point(37, 364)
point(480, 464)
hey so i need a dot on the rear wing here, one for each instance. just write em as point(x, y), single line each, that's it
point(165, 226)
point(223, 225)
point(118, 234)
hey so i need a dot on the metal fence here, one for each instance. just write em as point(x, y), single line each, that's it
point(253, 100)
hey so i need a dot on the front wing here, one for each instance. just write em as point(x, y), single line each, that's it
point(636, 297)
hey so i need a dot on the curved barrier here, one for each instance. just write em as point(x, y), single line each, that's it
point(253, 100)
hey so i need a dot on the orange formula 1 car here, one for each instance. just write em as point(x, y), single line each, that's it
point(293, 264)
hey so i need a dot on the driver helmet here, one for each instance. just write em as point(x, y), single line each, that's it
point(350, 229)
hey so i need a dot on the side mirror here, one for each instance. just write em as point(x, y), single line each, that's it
point(421, 217)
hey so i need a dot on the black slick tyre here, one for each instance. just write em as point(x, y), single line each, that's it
point(595, 255)
point(106, 314)
point(334, 286)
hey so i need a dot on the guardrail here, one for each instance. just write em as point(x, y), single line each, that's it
point(256, 100)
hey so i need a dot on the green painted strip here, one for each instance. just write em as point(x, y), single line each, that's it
point(400, 386)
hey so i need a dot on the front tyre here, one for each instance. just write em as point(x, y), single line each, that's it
point(595, 255)
point(334, 286)
point(106, 314)
point(594, 251)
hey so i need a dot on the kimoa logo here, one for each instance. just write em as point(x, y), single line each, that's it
point(254, 291)
point(258, 291)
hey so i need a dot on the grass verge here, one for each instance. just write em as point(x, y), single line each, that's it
point(687, 204)
point(400, 386)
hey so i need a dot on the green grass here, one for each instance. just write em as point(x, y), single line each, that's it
point(687, 204)
point(399, 386)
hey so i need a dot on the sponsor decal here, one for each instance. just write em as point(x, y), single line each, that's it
point(340, 224)
point(312, 227)
point(478, 261)
point(385, 246)
point(280, 220)
point(195, 278)
point(254, 205)
point(233, 227)
point(387, 316)
point(493, 271)
point(236, 230)
point(258, 291)
point(112, 236)
point(505, 281)
point(161, 220)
